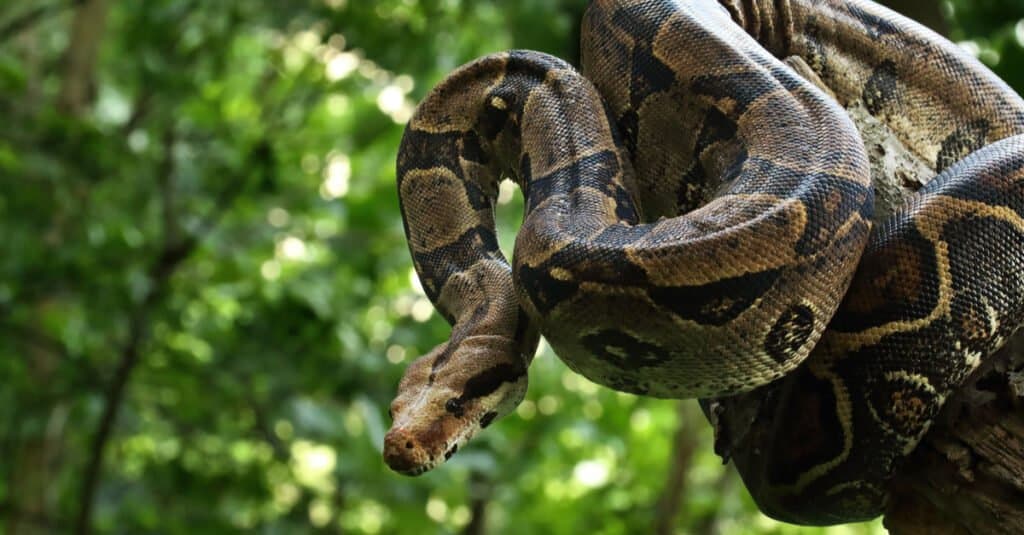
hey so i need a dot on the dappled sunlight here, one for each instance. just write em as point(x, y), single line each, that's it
point(341, 64)
point(313, 465)
point(336, 176)
point(291, 248)
point(278, 217)
point(591, 472)
point(395, 354)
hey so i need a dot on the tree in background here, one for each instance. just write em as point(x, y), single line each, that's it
point(206, 299)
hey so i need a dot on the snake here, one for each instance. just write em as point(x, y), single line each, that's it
point(700, 222)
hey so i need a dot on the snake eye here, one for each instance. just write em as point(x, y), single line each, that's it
point(454, 406)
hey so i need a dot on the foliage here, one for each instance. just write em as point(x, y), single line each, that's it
point(208, 257)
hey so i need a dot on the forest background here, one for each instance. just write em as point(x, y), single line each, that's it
point(206, 300)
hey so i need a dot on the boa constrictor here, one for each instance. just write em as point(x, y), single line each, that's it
point(699, 223)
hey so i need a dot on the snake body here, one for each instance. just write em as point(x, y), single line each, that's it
point(699, 224)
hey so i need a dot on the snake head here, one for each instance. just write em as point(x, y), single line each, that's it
point(450, 394)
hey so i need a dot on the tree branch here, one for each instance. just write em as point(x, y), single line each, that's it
point(683, 447)
point(28, 19)
point(87, 28)
point(168, 261)
point(480, 490)
point(967, 476)
point(42, 521)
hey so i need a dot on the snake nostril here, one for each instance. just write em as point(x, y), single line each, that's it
point(408, 445)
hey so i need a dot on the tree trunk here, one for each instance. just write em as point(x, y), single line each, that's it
point(39, 442)
point(967, 475)
point(78, 89)
point(684, 445)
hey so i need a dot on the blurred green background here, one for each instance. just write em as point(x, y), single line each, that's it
point(206, 300)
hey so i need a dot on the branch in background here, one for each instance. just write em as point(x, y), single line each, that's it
point(165, 176)
point(683, 447)
point(724, 485)
point(965, 476)
point(28, 19)
point(927, 13)
point(968, 474)
point(43, 342)
point(140, 109)
point(168, 261)
point(480, 490)
point(45, 523)
point(87, 28)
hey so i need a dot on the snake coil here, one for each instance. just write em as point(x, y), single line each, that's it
point(699, 223)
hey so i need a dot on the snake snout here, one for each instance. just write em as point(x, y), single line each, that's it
point(403, 453)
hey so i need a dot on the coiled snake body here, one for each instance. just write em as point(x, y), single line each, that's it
point(699, 224)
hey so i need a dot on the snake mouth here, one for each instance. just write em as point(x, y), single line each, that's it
point(413, 472)
point(404, 454)
point(410, 467)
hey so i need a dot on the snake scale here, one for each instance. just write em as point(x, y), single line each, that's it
point(699, 223)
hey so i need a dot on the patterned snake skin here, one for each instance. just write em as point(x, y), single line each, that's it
point(699, 224)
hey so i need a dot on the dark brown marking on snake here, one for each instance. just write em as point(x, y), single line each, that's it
point(985, 311)
point(627, 384)
point(487, 418)
point(624, 350)
point(808, 434)
point(597, 171)
point(816, 56)
point(893, 284)
point(618, 134)
point(876, 26)
point(714, 303)
point(489, 380)
point(477, 198)
point(881, 89)
point(473, 150)
point(789, 333)
point(743, 87)
point(629, 125)
point(544, 291)
point(525, 332)
point(992, 189)
point(844, 197)
point(428, 150)
point(695, 187)
point(437, 265)
point(903, 404)
point(648, 75)
point(965, 140)
point(716, 127)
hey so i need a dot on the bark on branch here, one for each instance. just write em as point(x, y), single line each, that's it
point(967, 475)
point(80, 59)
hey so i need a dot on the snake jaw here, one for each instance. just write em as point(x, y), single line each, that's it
point(447, 396)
